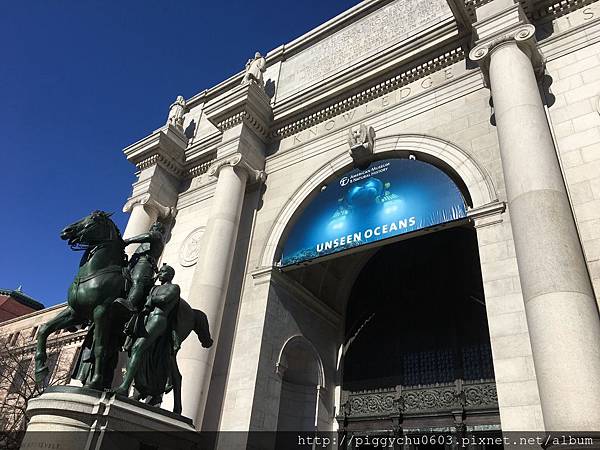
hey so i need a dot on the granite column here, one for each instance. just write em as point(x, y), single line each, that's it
point(243, 115)
point(561, 310)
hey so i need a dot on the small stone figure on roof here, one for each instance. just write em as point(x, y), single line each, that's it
point(255, 69)
point(176, 112)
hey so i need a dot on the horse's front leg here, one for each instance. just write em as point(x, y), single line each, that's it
point(66, 318)
point(101, 321)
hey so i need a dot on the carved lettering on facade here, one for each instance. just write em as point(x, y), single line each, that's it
point(382, 28)
point(375, 105)
point(571, 20)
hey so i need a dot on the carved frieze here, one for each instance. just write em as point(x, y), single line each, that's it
point(430, 399)
point(372, 404)
point(481, 395)
point(422, 399)
point(383, 95)
point(365, 37)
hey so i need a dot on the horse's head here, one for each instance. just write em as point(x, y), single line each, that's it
point(91, 230)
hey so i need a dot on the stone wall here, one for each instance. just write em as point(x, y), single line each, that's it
point(574, 107)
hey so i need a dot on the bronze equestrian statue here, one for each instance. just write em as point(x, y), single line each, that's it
point(161, 325)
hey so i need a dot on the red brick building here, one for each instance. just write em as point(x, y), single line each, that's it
point(14, 303)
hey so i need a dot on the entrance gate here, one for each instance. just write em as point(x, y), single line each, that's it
point(417, 357)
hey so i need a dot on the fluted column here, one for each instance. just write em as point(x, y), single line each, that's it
point(561, 310)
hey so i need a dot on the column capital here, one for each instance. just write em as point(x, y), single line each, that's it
point(247, 104)
point(147, 201)
point(165, 147)
point(507, 26)
point(238, 160)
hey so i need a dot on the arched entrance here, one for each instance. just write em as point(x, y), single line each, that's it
point(417, 353)
point(415, 350)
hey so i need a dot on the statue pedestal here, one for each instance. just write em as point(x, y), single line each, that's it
point(74, 418)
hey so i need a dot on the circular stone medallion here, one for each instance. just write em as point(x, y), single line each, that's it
point(190, 249)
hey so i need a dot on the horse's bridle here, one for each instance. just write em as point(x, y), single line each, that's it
point(87, 227)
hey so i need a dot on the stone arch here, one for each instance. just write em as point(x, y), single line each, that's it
point(299, 341)
point(300, 369)
point(473, 180)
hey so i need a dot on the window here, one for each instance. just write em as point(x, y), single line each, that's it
point(20, 376)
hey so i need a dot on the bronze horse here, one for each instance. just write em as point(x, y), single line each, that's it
point(98, 283)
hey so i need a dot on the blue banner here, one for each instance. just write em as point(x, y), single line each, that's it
point(391, 197)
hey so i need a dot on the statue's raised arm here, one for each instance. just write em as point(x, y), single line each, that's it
point(142, 265)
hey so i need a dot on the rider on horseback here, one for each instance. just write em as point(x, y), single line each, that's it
point(143, 265)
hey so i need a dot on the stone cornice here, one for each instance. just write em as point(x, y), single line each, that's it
point(573, 37)
point(424, 51)
point(456, 87)
point(165, 147)
point(246, 104)
point(464, 17)
point(238, 160)
point(199, 168)
point(422, 70)
point(63, 340)
point(24, 317)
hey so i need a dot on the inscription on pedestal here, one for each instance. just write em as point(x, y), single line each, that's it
point(382, 28)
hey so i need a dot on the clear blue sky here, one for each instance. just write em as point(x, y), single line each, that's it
point(81, 80)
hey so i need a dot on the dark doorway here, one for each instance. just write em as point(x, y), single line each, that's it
point(416, 315)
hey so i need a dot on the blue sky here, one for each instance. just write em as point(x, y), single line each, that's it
point(81, 80)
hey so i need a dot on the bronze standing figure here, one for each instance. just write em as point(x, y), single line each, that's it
point(167, 321)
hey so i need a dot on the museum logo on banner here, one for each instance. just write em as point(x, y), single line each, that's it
point(390, 198)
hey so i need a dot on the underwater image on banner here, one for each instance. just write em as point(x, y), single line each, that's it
point(389, 198)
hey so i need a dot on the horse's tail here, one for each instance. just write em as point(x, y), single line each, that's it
point(202, 328)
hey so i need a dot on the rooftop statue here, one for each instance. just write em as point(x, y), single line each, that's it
point(255, 69)
point(176, 112)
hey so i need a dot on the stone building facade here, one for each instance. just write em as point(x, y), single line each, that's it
point(17, 378)
point(503, 98)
